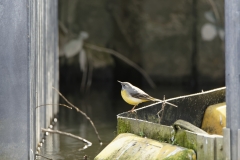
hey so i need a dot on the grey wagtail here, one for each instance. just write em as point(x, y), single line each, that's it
point(133, 95)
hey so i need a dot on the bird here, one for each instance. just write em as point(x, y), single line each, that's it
point(134, 95)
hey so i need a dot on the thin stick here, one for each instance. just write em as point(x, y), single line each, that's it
point(67, 134)
point(162, 110)
point(167, 102)
point(55, 104)
point(43, 156)
point(125, 59)
point(157, 102)
point(84, 114)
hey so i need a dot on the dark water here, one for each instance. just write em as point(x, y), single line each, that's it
point(101, 104)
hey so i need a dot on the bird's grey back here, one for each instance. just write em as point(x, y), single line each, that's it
point(137, 93)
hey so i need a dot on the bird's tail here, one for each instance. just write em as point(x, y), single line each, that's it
point(159, 100)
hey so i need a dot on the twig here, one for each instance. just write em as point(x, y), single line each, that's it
point(167, 102)
point(125, 59)
point(157, 102)
point(67, 134)
point(84, 114)
point(55, 104)
point(162, 110)
point(43, 156)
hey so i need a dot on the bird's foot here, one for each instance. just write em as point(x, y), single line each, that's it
point(132, 111)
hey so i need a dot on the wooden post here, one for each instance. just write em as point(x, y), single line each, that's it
point(232, 46)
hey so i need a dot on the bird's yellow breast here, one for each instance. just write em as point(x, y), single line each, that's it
point(129, 99)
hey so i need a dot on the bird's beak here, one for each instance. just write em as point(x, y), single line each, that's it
point(119, 81)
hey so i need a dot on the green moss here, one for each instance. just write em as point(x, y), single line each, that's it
point(183, 155)
point(159, 136)
point(162, 135)
point(123, 126)
point(182, 139)
point(141, 134)
point(152, 118)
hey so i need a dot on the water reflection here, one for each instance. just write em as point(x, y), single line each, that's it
point(102, 105)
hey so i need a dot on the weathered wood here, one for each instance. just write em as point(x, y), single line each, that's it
point(208, 147)
point(128, 146)
point(200, 148)
point(219, 148)
point(226, 142)
point(145, 123)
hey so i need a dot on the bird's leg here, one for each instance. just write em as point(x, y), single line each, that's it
point(132, 110)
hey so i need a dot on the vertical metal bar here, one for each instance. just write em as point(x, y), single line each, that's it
point(14, 86)
point(238, 144)
point(56, 61)
point(32, 80)
point(232, 55)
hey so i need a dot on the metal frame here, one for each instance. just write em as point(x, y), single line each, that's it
point(232, 74)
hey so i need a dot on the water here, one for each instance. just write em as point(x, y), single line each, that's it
point(102, 103)
point(64, 147)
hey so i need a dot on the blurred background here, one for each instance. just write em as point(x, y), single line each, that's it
point(169, 48)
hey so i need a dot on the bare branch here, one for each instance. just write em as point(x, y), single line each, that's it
point(55, 104)
point(67, 134)
point(167, 102)
point(125, 59)
point(84, 114)
point(162, 110)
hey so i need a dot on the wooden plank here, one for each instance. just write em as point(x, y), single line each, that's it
point(226, 142)
point(219, 148)
point(208, 147)
point(200, 150)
